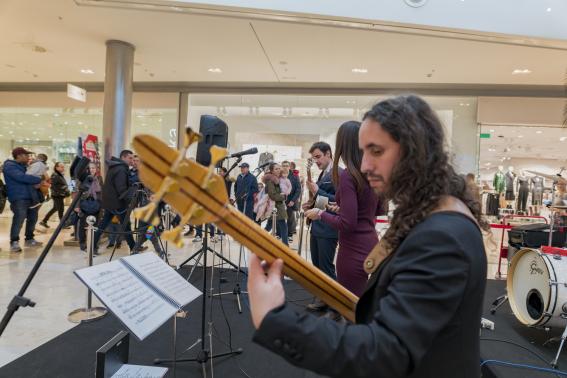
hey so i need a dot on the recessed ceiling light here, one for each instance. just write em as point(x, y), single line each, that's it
point(562, 139)
point(56, 115)
point(491, 130)
point(548, 9)
point(87, 71)
point(214, 70)
point(79, 123)
point(359, 70)
point(539, 132)
point(520, 136)
point(36, 114)
point(519, 71)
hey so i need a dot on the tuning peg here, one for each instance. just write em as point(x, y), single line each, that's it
point(190, 137)
point(174, 236)
point(217, 154)
point(145, 213)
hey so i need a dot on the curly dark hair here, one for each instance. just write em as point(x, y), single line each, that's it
point(424, 174)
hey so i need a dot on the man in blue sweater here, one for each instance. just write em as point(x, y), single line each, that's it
point(20, 188)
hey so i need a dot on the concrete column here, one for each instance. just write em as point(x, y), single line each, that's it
point(117, 110)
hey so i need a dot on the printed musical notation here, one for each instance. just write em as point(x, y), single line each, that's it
point(140, 371)
point(164, 277)
point(137, 305)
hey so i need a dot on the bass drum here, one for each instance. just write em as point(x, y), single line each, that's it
point(536, 288)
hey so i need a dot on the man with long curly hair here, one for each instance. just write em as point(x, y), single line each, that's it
point(420, 313)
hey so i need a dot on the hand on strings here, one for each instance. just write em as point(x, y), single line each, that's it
point(313, 188)
point(265, 288)
point(333, 207)
point(313, 214)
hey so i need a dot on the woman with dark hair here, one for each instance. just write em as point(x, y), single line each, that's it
point(90, 204)
point(356, 219)
point(272, 181)
point(59, 190)
point(420, 313)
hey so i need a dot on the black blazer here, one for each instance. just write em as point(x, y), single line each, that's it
point(320, 229)
point(419, 316)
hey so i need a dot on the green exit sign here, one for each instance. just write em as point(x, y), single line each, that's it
point(485, 136)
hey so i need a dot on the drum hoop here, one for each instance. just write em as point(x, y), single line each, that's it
point(553, 287)
point(510, 279)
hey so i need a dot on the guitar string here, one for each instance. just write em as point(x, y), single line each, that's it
point(343, 299)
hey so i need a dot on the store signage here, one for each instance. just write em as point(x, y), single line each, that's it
point(76, 93)
point(91, 150)
point(485, 136)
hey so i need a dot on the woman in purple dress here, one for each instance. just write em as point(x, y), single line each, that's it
point(358, 205)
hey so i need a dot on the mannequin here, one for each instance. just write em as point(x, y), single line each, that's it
point(537, 192)
point(510, 178)
point(498, 182)
point(523, 191)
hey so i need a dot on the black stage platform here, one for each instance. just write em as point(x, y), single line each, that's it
point(508, 329)
point(72, 354)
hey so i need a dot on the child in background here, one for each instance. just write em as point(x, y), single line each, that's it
point(39, 168)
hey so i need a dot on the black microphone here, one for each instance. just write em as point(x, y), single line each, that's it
point(264, 165)
point(250, 151)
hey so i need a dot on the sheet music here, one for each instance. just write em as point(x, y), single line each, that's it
point(132, 301)
point(163, 277)
point(140, 371)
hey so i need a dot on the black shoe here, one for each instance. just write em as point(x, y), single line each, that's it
point(44, 224)
point(317, 306)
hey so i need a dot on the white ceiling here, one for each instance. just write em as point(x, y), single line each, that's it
point(540, 148)
point(182, 47)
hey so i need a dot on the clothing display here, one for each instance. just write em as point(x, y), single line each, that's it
point(523, 192)
point(537, 190)
point(509, 178)
point(492, 204)
point(498, 182)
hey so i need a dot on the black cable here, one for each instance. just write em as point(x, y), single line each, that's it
point(229, 345)
point(539, 356)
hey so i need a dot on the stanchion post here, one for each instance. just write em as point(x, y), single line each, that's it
point(89, 313)
point(274, 220)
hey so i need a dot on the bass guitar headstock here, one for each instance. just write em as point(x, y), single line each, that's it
point(168, 173)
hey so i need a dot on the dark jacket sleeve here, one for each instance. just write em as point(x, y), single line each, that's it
point(428, 280)
point(20, 176)
point(295, 189)
point(121, 183)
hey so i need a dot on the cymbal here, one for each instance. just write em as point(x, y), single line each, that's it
point(555, 178)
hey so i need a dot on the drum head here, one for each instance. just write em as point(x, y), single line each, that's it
point(528, 286)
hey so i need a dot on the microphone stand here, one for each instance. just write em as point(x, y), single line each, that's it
point(19, 300)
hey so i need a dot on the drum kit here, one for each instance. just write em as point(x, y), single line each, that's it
point(537, 281)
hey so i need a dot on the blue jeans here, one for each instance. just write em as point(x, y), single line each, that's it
point(281, 229)
point(106, 219)
point(199, 231)
point(22, 212)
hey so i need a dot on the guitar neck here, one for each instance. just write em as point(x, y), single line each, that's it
point(265, 246)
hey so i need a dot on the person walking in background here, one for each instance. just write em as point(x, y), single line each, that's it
point(292, 202)
point(273, 189)
point(356, 219)
point(115, 191)
point(244, 189)
point(20, 187)
point(59, 191)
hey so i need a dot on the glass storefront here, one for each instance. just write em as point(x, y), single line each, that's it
point(287, 125)
point(50, 123)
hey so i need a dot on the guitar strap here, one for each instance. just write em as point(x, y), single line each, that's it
point(447, 203)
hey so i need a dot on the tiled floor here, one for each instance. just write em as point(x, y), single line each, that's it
point(57, 291)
